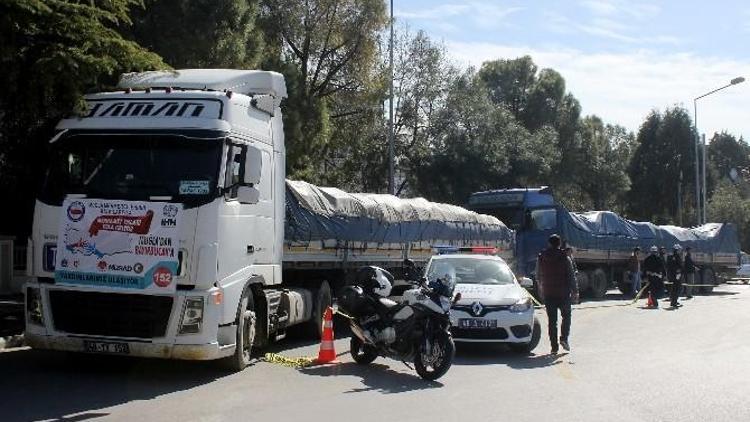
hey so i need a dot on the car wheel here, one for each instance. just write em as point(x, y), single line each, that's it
point(526, 348)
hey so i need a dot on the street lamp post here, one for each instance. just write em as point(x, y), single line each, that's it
point(701, 192)
point(391, 134)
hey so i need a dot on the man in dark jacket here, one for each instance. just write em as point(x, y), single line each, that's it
point(557, 282)
point(653, 269)
point(689, 274)
point(674, 274)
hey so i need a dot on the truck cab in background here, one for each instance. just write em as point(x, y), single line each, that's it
point(532, 213)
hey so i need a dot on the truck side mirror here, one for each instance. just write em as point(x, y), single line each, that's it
point(526, 283)
point(253, 166)
point(248, 194)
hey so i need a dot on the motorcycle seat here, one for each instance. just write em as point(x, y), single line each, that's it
point(387, 302)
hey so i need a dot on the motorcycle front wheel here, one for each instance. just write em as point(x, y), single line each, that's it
point(437, 363)
point(362, 353)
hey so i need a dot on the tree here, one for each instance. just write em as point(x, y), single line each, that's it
point(725, 153)
point(605, 154)
point(52, 52)
point(661, 166)
point(333, 46)
point(200, 33)
point(730, 205)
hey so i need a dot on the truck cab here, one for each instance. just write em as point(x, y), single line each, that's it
point(531, 212)
point(163, 205)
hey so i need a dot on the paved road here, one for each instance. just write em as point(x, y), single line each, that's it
point(628, 364)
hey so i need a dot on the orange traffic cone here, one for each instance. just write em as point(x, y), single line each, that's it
point(327, 352)
point(650, 303)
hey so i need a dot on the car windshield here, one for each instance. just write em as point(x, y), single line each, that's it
point(468, 270)
point(133, 167)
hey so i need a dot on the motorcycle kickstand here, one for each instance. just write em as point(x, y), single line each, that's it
point(407, 365)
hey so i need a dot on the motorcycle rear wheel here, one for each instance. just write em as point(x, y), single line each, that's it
point(435, 370)
point(363, 354)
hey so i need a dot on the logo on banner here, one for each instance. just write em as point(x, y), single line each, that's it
point(138, 268)
point(170, 214)
point(76, 211)
point(163, 277)
point(138, 224)
point(102, 265)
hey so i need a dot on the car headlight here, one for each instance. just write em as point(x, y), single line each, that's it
point(192, 316)
point(522, 305)
point(34, 306)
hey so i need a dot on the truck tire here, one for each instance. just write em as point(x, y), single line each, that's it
point(708, 277)
point(625, 285)
point(246, 325)
point(599, 284)
point(526, 348)
point(323, 299)
point(584, 281)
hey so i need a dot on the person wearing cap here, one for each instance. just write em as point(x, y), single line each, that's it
point(558, 286)
point(634, 266)
point(674, 274)
point(663, 256)
point(689, 273)
point(653, 268)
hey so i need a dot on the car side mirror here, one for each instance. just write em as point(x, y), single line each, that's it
point(526, 283)
point(248, 194)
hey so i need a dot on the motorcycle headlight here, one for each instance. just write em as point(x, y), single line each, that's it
point(522, 305)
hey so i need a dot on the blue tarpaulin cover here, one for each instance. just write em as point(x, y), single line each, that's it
point(323, 213)
point(606, 230)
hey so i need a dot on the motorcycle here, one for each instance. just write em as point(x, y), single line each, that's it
point(417, 329)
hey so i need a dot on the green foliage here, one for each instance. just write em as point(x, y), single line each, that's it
point(332, 45)
point(200, 33)
point(730, 204)
point(662, 163)
point(51, 53)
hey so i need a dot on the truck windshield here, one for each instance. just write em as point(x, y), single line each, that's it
point(133, 167)
point(511, 217)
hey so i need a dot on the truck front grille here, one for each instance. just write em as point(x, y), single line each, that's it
point(110, 314)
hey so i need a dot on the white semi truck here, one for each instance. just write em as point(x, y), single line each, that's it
point(160, 230)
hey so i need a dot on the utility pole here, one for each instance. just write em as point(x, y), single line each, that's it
point(697, 178)
point(679, 200)
point(704, 191)
point(391, 134)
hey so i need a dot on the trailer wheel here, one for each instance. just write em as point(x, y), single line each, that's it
point(599, 284)
point(584, 281)
point(246, 324)
point(708, 277)
point(323, 299)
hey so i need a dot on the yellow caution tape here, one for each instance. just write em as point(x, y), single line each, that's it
point(299, 362)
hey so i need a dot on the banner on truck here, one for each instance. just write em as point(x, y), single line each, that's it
point(118, 244)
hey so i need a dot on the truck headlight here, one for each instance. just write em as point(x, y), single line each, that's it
point(192, 316)
point(34, 313)
point(522, 305)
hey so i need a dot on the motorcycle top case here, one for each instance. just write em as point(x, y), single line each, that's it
point(354, 302)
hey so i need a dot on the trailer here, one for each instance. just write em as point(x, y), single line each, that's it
point(603, 241)
point(166, 227)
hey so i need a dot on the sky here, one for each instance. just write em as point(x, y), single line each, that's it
point(620, 58)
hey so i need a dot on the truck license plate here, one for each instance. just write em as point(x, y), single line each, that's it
point(477, 323)
point(106, 347)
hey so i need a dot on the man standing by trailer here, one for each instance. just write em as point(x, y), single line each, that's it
point(556, 277)
point(674, 273)
point(689, 272)
point(653, 267)
point(634, 266)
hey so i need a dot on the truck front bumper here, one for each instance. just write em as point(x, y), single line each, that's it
point(209, 351)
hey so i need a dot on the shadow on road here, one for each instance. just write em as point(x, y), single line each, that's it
point(376, 377)
point(46, 385)
point(483, 354)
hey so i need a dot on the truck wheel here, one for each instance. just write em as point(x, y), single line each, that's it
point(599, 284)
point(526, 348)
point(323, 299)
point(584, 281)
point(245, 334)
point(708, 277)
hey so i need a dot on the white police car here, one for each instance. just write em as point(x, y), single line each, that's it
point(493, 307)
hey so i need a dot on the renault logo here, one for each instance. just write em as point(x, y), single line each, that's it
point(476, 308)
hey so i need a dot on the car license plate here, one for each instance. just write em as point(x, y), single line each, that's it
point(106, 347)
point(477, 323)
